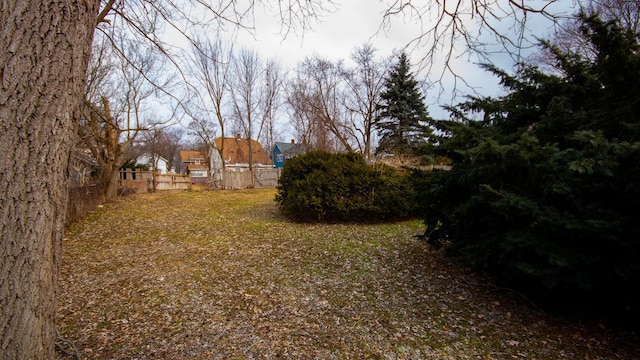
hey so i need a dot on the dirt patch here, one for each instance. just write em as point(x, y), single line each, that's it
point(221, 275)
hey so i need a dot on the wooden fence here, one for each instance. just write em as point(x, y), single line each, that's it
point(172, 182)
point(243, 178)
point(143, 181)
point(234, 178)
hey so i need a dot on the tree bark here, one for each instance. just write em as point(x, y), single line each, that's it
point(113, 178)
point(44, 52)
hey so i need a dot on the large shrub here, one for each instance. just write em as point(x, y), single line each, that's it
point(544, 191)
point(321, 186)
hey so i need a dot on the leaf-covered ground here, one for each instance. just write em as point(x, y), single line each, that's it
point(221, 275)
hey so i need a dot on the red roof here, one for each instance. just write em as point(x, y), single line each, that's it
point(191, 155)
point(236, 151)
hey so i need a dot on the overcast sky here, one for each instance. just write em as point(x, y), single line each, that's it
point(356, 22)
point(334, 36)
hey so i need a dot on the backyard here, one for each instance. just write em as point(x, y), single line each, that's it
point(222, 275)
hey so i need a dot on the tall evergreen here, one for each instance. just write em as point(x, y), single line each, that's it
point(402, 121)
point(544, 191)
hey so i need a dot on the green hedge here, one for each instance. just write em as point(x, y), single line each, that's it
point(320, 186)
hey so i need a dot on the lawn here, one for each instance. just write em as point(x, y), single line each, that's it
point(222, 275)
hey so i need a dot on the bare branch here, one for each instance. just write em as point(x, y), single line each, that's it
point(482, 27)
point(104, 12)
point(209, 62)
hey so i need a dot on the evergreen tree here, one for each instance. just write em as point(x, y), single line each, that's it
point(544, 191)
point(402, 121)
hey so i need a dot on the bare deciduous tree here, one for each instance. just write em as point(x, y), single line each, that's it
point(449, 29)
point(114, 108)
point(364, 83)
point(273, 84)
point(625, 12)
point(45, 47)
point(316, 96)
point(165, 142)
point(246, 96)
point(203, 129)
point(569, 37)
point(211, 61)
point(308, 130)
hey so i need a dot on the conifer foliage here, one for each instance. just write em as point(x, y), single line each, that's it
point(402, 123)
point(544, 190)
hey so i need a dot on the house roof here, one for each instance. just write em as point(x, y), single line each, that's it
point(148, 156)
point(236, 151)
point(190, 155)
point(287, 147)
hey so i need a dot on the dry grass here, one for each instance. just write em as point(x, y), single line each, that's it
point(221, 275)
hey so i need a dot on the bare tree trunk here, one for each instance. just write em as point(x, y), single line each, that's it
point(111, 190)
point(44, 52)
point(106, 146)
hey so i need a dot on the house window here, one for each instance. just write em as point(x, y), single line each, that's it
point(197, 161)
point(280, 158)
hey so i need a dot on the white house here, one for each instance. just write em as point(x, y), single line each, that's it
point(161, 164)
